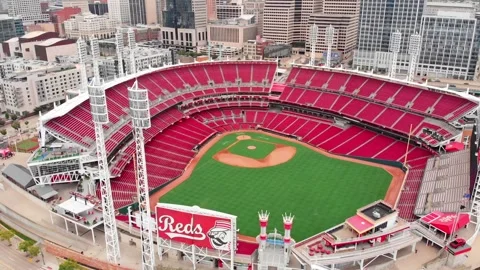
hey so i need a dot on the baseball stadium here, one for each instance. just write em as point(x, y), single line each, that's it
point(239, 137)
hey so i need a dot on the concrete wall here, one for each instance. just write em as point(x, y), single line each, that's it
point(80, 258)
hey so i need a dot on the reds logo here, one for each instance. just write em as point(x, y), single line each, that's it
point(188, 231)
point(220, 235)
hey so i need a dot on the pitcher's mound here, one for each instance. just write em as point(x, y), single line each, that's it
point(251, 147)
point(243, 137)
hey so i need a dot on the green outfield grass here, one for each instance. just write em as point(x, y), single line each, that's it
point(320, 191)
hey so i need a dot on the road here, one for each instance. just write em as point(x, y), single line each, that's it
point(12, 259)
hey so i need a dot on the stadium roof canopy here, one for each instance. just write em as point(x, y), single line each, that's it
point(76, 205)
point(446, 222)
point(19, 174)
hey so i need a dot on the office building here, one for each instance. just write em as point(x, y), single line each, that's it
point(137, 12)
point(58, 17)
point(231, 34)
point(228, 9)
point(28, 10)
point(89, 25)
point(98, 8)
point(255, 7)
point(286, 21)
point(36, 83)
point(450, 41)
point(10, 27)
point(184, 23)
point(82, 4)
point(119, 11)
point(343, 16)
point(378, 20)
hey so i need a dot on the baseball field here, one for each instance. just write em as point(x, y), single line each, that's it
point(242, 173)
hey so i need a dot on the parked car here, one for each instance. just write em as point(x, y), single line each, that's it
point(459, 242)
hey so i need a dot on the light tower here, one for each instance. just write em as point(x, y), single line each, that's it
point(133, 45)
point(96, 55)
point(329, 33)
point(98, 105)
point(263, 218)
point(209, 51)
point(395, 41)
point(414, 51)
point(120, 49)
point(140, 113)
point(82, 58)
point(313, 43)
point(287, 240)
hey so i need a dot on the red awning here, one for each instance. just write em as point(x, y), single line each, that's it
point(454, 146)
point(445, 221)
point(359, 224)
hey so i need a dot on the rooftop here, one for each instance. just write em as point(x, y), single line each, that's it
point(33, 34)
point(51, 41)
point(377, 211)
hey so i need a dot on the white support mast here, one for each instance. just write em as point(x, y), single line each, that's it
point(98, 105)
point(209, 51)
point(120, 49)
point(95, 46)
point(329, 34)
point(395, 41)
point(132, 44)
point(82, 58)
point(414, 51)
point(313, 43)
point(140, 112)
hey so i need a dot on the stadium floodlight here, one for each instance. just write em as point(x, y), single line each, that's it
point(395, 40)
point(140, 113)
point(329, 33)
point(414, 51)
point(95, 55)
point(221, 52)
point(120, 49)
point(132, 44)
point(98, 106)
point(82, 58)
point(313, 43)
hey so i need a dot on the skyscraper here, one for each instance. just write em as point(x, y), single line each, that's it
point(184, 23)
point(10, 27)
point(119, 11)
point(82, 4)
point(137, 12)
point(28, 10)
point(450, 41)
point(378, 19)
point(286, 21)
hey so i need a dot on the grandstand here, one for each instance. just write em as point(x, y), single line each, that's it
point(340, 111)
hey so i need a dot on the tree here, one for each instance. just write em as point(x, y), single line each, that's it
point(7, 116)
point(14, 117)
point(26, 124)
point(16, 125)
point(2, 122)
point(7, 235)
point(69, 264)
point(3, 132)
point(24, 245)
point(33, 251)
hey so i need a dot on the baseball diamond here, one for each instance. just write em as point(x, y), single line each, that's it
point(318, 198)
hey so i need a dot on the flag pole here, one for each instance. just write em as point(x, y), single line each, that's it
point(408, 144)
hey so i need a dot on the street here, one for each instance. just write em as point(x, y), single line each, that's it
point(13, 259)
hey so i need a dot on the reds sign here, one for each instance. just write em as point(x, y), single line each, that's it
point(194, 229)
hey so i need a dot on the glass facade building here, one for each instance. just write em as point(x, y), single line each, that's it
point(179, 14)
point(450, 41)
point(378, 20)
point(10, 27)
